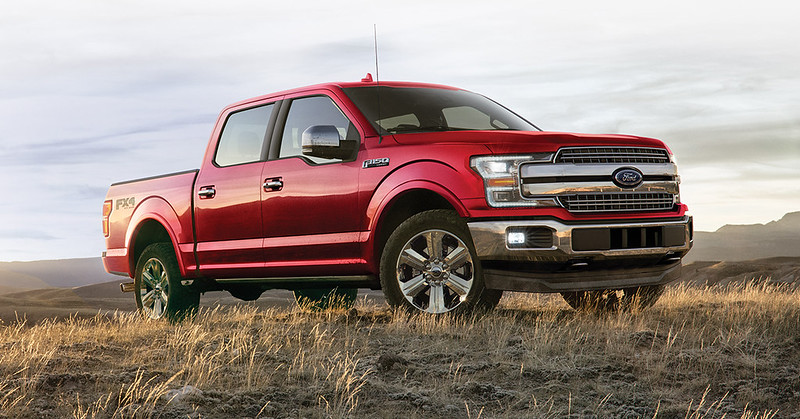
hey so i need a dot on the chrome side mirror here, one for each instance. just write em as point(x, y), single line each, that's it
point(323, 141)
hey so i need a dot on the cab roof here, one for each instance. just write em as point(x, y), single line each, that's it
point(366, 82)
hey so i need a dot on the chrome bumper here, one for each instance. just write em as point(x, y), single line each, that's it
point(562, 268)
point(490, 241)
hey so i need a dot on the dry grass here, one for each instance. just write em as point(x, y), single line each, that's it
point(699, 353)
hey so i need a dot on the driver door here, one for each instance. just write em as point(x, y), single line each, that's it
point(309, 204)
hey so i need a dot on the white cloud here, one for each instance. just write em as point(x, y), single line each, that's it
point(93, 92)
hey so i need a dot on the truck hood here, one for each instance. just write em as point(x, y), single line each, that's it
point(505, 142)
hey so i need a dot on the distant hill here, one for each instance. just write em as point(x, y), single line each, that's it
point(64, 273)
point(747, 242)
point(778, 270)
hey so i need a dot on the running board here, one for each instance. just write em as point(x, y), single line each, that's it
point(309, 279)
point(355, 281)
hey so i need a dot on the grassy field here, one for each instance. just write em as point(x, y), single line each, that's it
point(730, 352)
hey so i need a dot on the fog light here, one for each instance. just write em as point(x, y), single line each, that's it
point(516, 238)
point(503, 196)
point(529, 237)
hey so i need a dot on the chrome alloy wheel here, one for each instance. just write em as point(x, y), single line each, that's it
point(154, 290)
point(435, 271)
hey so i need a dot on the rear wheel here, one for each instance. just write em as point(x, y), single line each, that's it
point(158, 290)
point(320, 299)
point(635, 298)
point(429, 264)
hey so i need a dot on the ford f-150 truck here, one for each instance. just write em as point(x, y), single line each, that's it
point(438, 196)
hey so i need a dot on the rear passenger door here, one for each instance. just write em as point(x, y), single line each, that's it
point(309, 204)
point(227, 195)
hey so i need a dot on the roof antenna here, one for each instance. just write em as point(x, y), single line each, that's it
point(377, 80)
point(375, 39)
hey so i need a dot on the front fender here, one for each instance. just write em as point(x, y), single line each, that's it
point(436, 177)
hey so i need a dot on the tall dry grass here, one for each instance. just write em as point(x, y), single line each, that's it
point(698, 353)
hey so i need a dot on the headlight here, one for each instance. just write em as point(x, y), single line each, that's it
point(501, 179)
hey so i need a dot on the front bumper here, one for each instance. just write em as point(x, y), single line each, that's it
point(609, 255)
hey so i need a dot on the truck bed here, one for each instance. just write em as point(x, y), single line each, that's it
point(166, 199)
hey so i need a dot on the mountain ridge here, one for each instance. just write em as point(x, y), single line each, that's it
point(57, 273)
point(741, 242)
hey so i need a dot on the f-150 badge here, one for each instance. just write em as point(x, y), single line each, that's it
point(375, 162)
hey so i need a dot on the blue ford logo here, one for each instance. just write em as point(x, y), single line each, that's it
point(628, 177)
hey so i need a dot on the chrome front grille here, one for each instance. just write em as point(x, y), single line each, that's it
point(618, 202)
point(588, 155)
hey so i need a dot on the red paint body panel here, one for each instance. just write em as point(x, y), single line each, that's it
point(323, 220)
point(314, 219)
point(165, 200)
point(515, 142)
point(229, 229)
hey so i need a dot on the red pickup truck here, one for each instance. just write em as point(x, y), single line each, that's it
point(438, 196)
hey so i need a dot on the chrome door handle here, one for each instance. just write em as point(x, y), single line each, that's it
point(274, 184)
point(207, 192)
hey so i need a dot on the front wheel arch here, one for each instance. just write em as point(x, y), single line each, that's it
point(401, 207)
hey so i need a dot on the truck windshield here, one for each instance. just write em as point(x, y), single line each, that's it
point(416, 109)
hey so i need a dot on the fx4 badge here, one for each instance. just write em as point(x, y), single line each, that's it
point(126, 203)
point(375, 163)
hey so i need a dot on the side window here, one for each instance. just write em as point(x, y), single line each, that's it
point(242, 138)
point(315, 110)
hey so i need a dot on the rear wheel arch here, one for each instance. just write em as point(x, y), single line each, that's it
point(155, 221)
point(159, 292)
point(147, 232)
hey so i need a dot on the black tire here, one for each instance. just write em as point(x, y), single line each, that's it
point(429, 264)
point(320, 299)
point(158, 289)
point(636, 298)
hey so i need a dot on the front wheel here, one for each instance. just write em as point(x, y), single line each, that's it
point(636, 298)
point(158, 289)
point(429, 264)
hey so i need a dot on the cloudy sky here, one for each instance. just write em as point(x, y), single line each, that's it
point(97, 91)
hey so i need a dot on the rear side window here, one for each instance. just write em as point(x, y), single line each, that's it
point(242, 139)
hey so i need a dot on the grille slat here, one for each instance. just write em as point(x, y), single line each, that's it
point(587, 155)
point(623, 201)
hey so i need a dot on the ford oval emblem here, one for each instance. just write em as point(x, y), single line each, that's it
point(628, 177)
